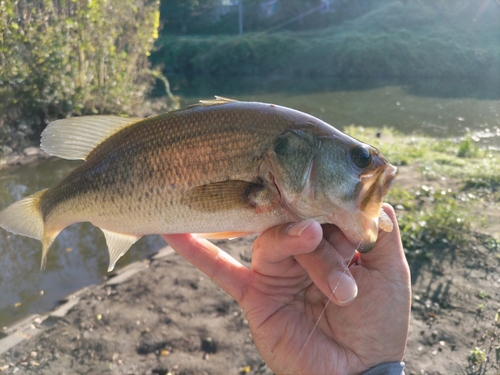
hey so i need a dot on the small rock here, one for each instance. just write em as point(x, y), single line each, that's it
point(13, 158)
point(28, 151)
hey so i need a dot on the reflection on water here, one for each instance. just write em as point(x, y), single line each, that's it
point(79, 256)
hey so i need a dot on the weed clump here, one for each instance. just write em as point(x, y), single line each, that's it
point(468, 148)
point(431, 219)
point(477, 356)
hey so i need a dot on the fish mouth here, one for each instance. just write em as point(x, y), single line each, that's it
point(374, 187)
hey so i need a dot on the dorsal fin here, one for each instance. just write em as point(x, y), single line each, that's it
point(75, 137)
point(217, 101)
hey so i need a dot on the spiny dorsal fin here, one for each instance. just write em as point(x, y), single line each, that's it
point(118, 245)
point(217, 101)
point(75, 137)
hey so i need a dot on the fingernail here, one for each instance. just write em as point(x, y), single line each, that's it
point(295, 230)
point(343, 286)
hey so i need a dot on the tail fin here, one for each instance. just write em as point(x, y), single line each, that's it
point(25, 218)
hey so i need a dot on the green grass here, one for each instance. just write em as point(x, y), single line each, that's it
point(474, 167)
point(477, 356)
point(438, 219)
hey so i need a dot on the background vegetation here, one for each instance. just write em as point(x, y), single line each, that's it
point(402, 40)
point(449, 218)
point(64, 57)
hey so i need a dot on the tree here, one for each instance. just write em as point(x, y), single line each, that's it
point(62, 57)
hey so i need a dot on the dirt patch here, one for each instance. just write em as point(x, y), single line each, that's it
point(172, 319)
point(169, 318)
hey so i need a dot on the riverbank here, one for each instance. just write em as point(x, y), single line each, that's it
point(162, 316)
point(25, 156)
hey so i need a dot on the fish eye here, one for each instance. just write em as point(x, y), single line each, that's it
point(361, 156)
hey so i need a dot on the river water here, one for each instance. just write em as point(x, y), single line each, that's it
point(79, 258)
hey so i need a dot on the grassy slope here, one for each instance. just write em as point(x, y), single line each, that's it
point(456, 205)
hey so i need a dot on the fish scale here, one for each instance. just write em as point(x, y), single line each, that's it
point(222, 168)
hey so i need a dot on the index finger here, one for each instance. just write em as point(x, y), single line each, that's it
point(274, 249)
point(227, 272)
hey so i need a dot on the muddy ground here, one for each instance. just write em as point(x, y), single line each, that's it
point(169, 318)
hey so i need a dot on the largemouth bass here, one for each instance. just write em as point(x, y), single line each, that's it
point(222, 169)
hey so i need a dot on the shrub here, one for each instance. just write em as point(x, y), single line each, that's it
point(59, 58)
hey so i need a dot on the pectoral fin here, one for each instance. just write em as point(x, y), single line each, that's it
point(118, 245)
point(222, 196)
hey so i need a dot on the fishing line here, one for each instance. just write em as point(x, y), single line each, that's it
point(324, 308)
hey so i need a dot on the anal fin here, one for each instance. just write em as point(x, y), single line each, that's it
point(118, 245)
point(47, 241)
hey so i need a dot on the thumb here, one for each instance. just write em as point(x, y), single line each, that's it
point(388, 253)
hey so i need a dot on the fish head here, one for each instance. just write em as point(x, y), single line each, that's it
point(332, 178)
point(374, 177)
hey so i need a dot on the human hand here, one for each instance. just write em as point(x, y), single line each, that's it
point(294, 270)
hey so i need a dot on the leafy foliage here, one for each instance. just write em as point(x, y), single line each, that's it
point(64, 57)
point(477, 356)
point(390, 39)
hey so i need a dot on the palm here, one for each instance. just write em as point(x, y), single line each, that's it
point(285, 292)
point(282, 317)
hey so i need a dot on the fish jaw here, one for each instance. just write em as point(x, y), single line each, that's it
point(370, 218)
